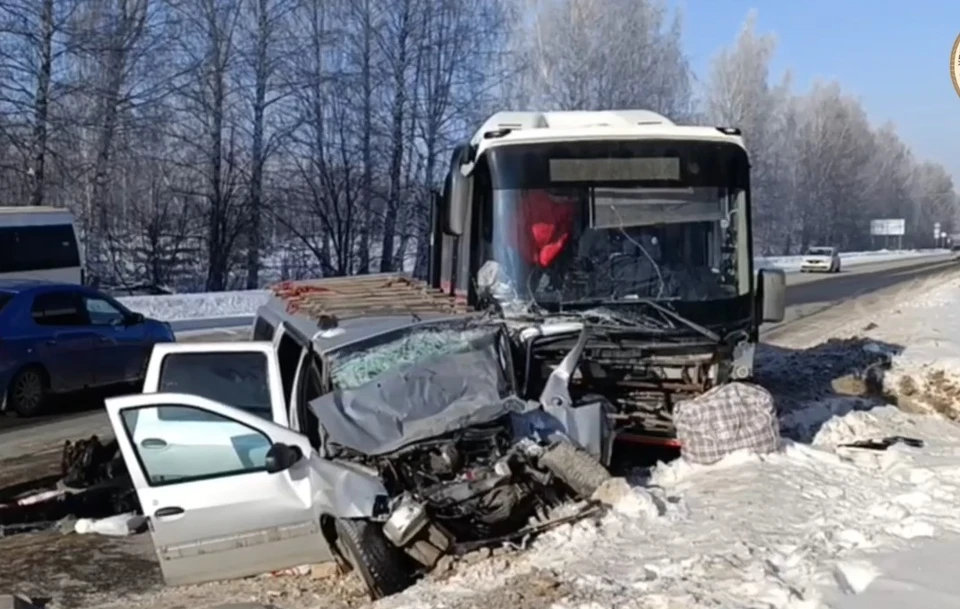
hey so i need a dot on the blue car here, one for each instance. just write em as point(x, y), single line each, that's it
point(58, 338)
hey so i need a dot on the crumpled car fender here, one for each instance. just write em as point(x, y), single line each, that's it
point(346, 490)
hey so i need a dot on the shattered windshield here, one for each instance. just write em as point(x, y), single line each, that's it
point(359, 364)
point(577, 230)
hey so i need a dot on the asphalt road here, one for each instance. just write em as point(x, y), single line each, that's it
point(814, 295)
point(810, 299)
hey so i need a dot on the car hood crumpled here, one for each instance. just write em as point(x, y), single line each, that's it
point(416, 402)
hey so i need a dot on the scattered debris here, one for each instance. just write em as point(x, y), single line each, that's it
point(884, 444)
point(94, 485)
point(120, 525)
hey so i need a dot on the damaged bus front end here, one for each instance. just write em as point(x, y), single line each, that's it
point(620, 226)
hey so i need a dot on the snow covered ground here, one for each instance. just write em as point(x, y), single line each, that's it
point(212, 305)
point(217, 305)
point(925, 375)
point(815, 525)
point(800, 529)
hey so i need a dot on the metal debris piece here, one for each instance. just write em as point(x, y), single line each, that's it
point(885, 443)
point(15, 601)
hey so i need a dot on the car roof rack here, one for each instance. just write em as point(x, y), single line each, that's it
point(385, 294)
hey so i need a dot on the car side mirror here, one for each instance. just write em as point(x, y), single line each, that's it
point(282, 457)
point(135, 319)
point(772, 288)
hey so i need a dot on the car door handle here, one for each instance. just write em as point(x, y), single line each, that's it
point(51, 341)
point(168, 511)
point(153, 443)
point(103, 339)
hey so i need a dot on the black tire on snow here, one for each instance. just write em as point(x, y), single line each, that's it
point(575, 467)
point(381, 565)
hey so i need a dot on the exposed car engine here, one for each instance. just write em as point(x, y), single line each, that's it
point(478, 482)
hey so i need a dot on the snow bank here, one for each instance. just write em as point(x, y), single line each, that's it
point(179, 307)
point(925, 374)
point(793, 530)
point(213, 305)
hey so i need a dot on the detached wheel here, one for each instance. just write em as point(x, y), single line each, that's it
point(575, 467)
point(27, 392)
point(382, 565)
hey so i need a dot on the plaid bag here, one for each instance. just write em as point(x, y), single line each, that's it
point(725, 419)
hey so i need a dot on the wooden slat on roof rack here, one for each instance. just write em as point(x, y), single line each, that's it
point(364, 295)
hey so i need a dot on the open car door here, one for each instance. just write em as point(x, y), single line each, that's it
point(207, 479)
point(245, 375)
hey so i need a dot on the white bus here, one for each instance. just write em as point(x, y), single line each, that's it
point(39, 243)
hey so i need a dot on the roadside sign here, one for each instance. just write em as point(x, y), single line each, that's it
point(888, 227)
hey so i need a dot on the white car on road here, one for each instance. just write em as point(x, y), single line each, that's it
point(819, 259)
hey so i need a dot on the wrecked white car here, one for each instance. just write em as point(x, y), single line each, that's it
point(384, 442)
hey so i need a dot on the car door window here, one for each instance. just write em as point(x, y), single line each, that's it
point(102, 312)
point(289, 354)
point(311, 389)
point(57, 309)
point(262, 330)
point(211, 446)
point(237, 378)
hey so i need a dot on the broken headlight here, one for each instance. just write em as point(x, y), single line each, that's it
point(407, 519)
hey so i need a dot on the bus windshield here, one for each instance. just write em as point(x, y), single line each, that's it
point(602, 228)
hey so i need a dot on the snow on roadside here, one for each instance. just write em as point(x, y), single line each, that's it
point(924, 332)
point(787, 531)
point(178, 307)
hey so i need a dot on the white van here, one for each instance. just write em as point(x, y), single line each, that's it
point(39, 243)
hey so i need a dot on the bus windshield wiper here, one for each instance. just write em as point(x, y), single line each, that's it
point(670, 313)
point(644, 321)
point(607, 319)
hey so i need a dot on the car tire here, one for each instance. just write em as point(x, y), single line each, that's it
point(27, 392)
point(575, 467)
point(382, 566)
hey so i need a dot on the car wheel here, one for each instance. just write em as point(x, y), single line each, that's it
point(381, 565)
point(27, 392)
